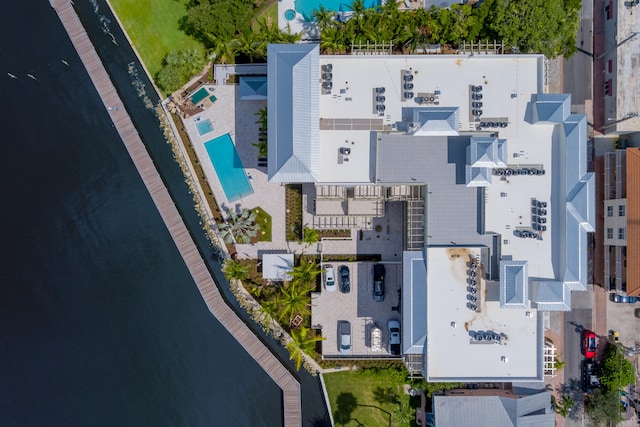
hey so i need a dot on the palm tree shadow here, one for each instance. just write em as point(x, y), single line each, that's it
point(346, 404)
point(380, 409)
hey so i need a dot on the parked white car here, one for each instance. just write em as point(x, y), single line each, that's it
point(394, 337)
point(329, 278)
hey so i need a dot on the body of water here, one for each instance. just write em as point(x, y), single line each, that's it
point(100, 321)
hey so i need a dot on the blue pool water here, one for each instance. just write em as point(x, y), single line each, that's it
point(306, 7)
point(201, 94)
point(229, 168)
point(204, 126)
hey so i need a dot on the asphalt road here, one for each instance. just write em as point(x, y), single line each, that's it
point(578, 69)
point(576, 321)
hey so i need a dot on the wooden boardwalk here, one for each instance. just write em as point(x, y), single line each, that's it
point(292, 411)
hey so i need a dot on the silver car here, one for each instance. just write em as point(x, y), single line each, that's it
point(344, 339)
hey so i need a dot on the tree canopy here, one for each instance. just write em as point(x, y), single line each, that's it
point(616, 371)
point(531, 26)
point(603, 406)
point(179, 66)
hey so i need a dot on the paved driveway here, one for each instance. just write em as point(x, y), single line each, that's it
point(358, 308)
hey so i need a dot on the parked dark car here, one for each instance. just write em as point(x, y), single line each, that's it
point(345, 282)
point(378, 282)
point(589, 376)
point(624, 299)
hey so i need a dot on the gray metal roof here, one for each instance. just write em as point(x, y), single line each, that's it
point(495, 411)
point(575, 137)
point(439, 162)
point(579, 215)
point(514, 281)
point(253, 87)
point(477, 177)
point(414, 302)
point(293, 73)
point(551, 108)
point(551, 295)
point(440, 121)
point(487, 152)
point(483, 154)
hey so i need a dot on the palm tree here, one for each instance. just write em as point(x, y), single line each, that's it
point(294, 300)
point(224, 51)
point(323, 18)
point(310, 236)
point(193, 60)
point(332, 40)
point(233, 270)
point(304, 274)
point(303, 341)
point(241, 228)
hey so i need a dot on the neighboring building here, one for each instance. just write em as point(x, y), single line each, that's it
point(619, 230)
point(492, 407)
point(492, 176)
point(617, 66)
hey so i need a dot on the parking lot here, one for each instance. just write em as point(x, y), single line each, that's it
point(358, 308)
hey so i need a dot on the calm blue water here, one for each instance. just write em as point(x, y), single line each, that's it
point(307, 7)
point(204, 126)
point(201, 94)
point(229, 167)
point(101, 323)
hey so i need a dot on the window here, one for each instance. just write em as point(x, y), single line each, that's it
point(621, 233)
point(621, 209)
point(610, 66)
point(609, 210)
point(609, 233)
point(608, 88)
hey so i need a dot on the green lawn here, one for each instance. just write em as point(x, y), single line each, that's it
point(269, 13)
point(264, 221)
point(365, 398)
point(152, 25)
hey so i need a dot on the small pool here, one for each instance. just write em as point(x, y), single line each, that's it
point(204, 126)
point(306, 7)
point(201, 94)
point(228, 167)
point(289, 14)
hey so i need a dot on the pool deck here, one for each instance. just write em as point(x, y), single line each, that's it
point(292, 406)
point(231, 115)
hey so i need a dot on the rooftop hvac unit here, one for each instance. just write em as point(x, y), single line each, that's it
point(504, 359)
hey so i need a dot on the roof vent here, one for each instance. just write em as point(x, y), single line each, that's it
point(453, 324)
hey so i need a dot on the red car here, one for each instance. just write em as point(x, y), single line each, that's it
point(590, 344)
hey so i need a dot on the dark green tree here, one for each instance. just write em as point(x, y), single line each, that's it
point(616, 371)
point(234, 270)
point(603, 406)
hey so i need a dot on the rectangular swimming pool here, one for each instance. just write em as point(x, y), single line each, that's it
point(306, 7)
point(201, 94)
point(228, 167)
point(204, 126)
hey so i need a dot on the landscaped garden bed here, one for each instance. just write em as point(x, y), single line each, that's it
point(293, 206)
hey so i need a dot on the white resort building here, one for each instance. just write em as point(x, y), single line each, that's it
point(491, 175)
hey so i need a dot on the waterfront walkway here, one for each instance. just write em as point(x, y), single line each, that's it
point(292, 411)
